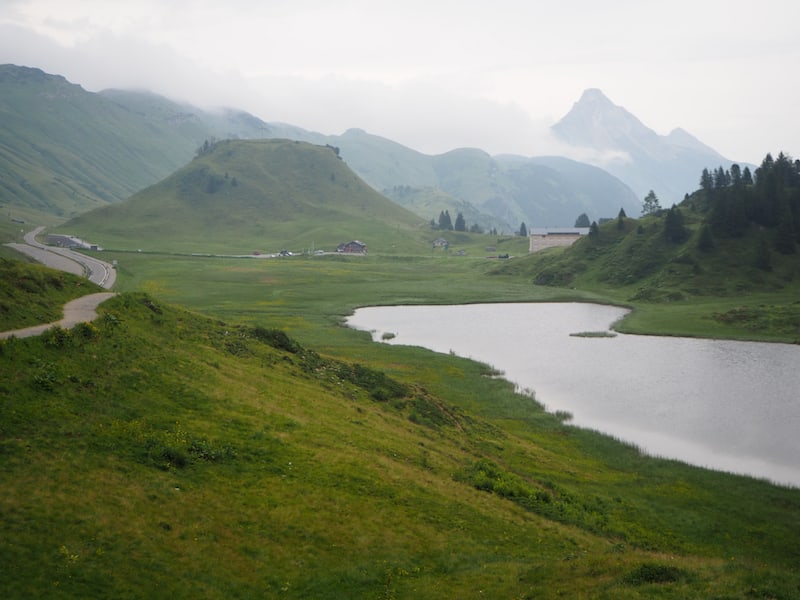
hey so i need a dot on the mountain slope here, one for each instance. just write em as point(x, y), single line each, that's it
point(245, 195)
point(635, 153)
point(507, 190)
point(553, 188)
point(64, 150)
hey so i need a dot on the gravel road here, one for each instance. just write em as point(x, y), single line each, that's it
point(80, 310)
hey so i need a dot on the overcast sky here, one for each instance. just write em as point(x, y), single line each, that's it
point(439, 74)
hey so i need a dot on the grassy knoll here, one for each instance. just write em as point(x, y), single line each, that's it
point(244, 196)
point(159, 453)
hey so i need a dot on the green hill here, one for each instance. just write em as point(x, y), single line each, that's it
point(64, 150)
point(159, 453)
point(240, 197)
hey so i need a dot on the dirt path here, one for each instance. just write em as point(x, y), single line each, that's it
point(80, 310)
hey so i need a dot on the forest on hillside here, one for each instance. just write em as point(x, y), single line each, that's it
point(768, 199)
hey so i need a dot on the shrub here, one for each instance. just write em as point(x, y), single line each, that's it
point(277, 339)
point(654, 573)
point(56, 337)
point(84, 331)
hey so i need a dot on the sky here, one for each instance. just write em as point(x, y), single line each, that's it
point(436, 75)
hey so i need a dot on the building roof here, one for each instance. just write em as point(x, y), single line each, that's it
point(559, 231)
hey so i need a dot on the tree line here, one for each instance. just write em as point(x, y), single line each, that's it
point(446, 223)
point(768, 198)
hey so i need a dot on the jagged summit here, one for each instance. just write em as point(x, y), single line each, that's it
point(596, 122)
point(594, 95)
point(627, 148)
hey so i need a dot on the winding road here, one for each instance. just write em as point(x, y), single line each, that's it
point(64, 259)
point(80, 310)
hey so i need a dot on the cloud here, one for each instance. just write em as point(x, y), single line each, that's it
point(419, 114)
point(438, 75)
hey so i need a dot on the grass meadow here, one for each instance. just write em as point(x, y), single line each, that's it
point(199, 452)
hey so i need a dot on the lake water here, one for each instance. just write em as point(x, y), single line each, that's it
point(732, 406)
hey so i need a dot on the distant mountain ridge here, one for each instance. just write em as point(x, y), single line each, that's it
point(64, 151)
point(507, 189)
point(636, 154)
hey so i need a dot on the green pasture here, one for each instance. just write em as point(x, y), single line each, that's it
point(309, 295)
point(159, 452)
point(182, 446)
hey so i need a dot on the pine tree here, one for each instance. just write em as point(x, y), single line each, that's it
point(582, 220)
point(674, 230)
point(523, 230)
point(736, 176)
point(460, 225)
point(707, 183)
point(705, 242)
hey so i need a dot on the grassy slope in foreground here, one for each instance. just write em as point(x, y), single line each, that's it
point(159, 453)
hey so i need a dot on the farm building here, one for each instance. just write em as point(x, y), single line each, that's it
point(542, 237)
point(354, 247)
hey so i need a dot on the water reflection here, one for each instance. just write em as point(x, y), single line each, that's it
point(727, 405)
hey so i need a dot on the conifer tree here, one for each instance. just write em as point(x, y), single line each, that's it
point(582, 220)
point(707, 183)
point(674, 230)
point(705, 241)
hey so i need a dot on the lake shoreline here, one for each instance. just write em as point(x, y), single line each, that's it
point(712, 440)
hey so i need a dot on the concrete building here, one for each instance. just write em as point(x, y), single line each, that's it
point(545, 237)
